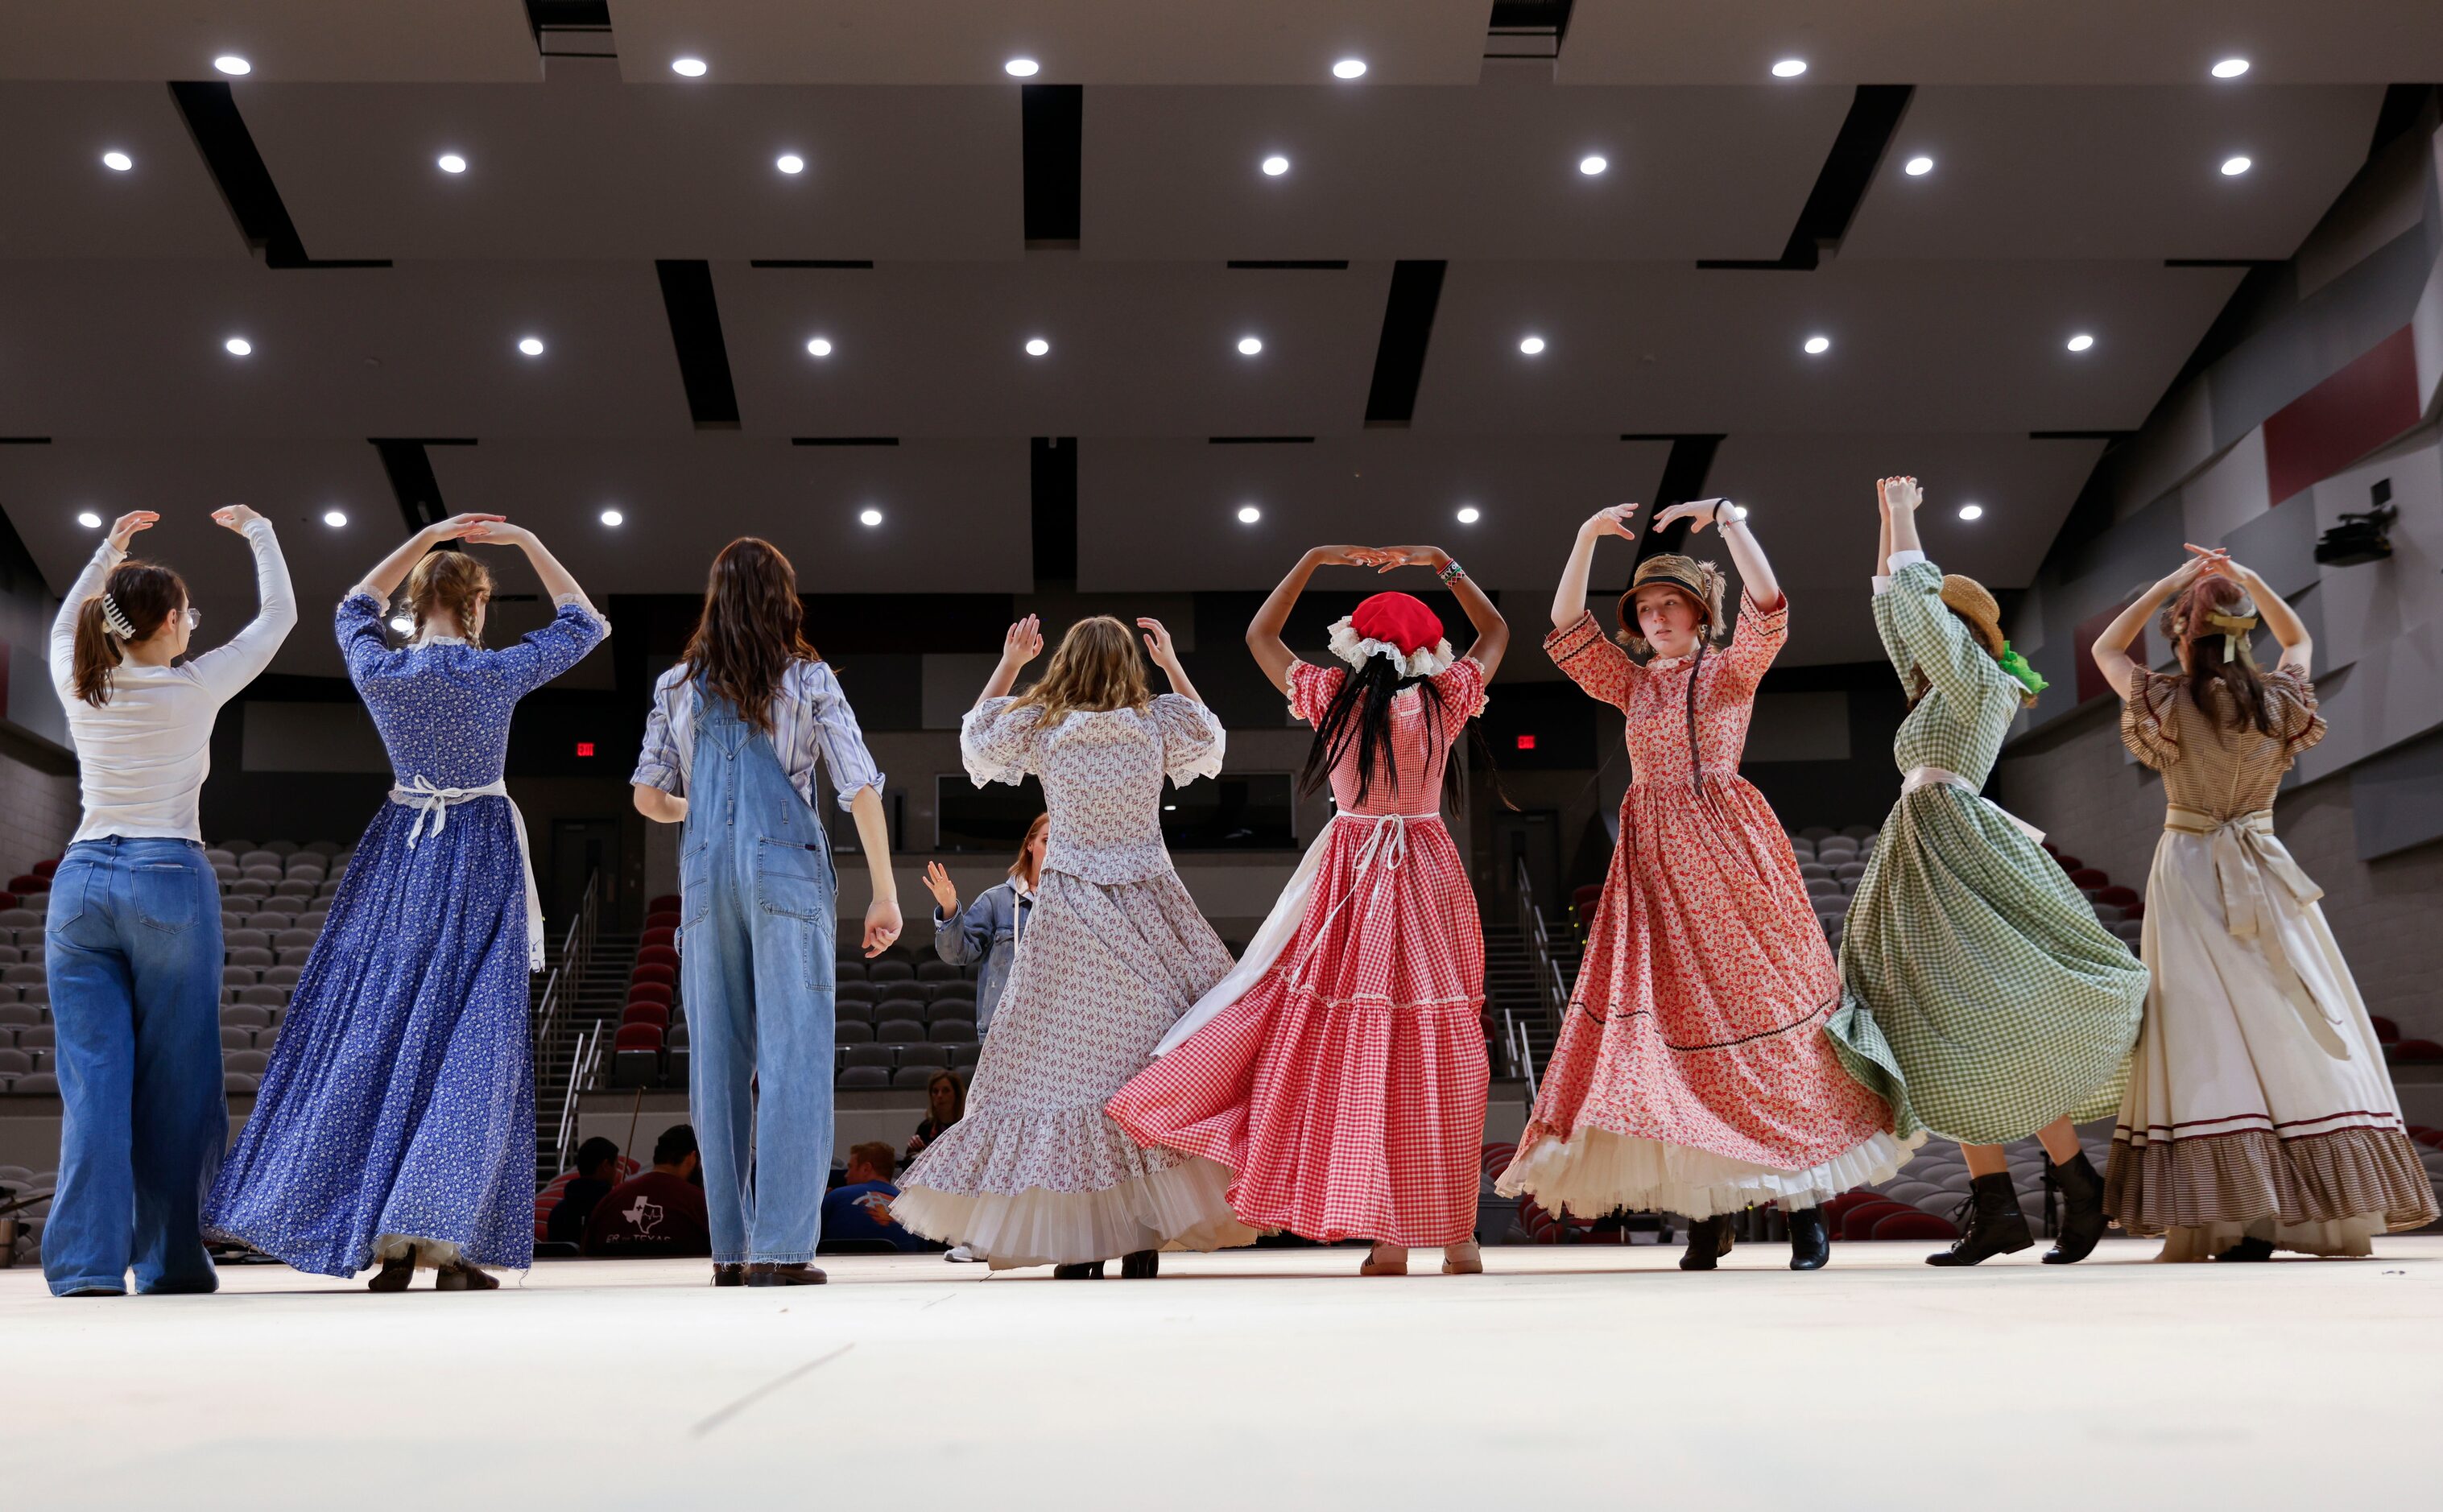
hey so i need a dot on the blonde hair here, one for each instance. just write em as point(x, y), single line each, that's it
point(1097, 666)
point(453, 581)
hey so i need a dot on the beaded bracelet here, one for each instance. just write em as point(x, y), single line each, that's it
point(1452, 572)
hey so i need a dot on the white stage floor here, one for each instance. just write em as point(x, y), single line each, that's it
point(1566, 1378)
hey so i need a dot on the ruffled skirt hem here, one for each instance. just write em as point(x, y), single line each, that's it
point(1599, 1171)
point(1182, 1206)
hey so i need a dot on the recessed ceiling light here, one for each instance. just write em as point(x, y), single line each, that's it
point(117, 162)
point(1275, 166)
point(335, 517)
point(789, 163)
point(451, 163)
point(403, 622)
point(614, 518)
point(818, 346)
point(1469, 514)
point(231, 65)
point(1818, 345)
point(1037, 346)
point(1249, 514)
point(1918, 167)
point(531, 346)
point(2234, 167)
point(2231, 68)
point(1593, 164)
point(1249, 346)
point(238, 346)
point(2080, 341)
point(1020, 67)
point(869, 516)
point(89, 521)
point(1789, 69)
point(1531, 345)
point(1348, 68)
point(687, 67)
point(1971, 511)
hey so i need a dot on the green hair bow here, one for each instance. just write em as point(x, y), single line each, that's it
point(2017, 666)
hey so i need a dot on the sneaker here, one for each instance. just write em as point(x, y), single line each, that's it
point(963, 1256)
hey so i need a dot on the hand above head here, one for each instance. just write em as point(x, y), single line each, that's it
point(497, 531)
point(2215, 560)
point(1158, 645)
point(123, 528)
point(1617, 521)
point(234, 517)
point(1339, 556)
point(1899, 494)
point(937, 882)
point(458, 527)
point(1392, 559)
point(1023, 642)
point(1700, 513)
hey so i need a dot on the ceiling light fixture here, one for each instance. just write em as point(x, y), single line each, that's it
point(1918, 167)
point(1036, 347)
point(1532, 345)
point(531, 346)
point(687, 67)
point(1469, 514)
point(790, 163)
point(2234, 167)
point(2080, 341)
point(1249, 346)
point(404, 621)
point(451, 163)
point(1020, 67)
point(1593, 164)
point(614, 518)
point(1249, 514)
point(1348, 68)
point(818, 346)
point(1818, 345)
point(89, 521)
point(1971, 511)
point(335, 517)
point(1275, 166)
point(231, 65)
point(238, 346)
point(1789, 69)
point(2231, 68)
point(869, 516)
point(117, 162)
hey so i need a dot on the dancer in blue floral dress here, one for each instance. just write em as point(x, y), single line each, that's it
point(396, 1118)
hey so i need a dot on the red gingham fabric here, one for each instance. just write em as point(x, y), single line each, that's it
point(1346, 1091)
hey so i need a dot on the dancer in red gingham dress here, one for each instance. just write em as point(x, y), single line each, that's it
point(1339, 1071)
point(1693, 1074)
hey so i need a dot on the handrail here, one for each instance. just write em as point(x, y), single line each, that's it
point(580, 1070)
point(1551, 990)
point(575, 949)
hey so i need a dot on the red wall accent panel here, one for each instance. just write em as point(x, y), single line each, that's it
point(2343, 418)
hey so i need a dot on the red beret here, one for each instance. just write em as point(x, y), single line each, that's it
point(1398, 619)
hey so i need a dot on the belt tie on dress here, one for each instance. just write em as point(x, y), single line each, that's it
point(434, 804)
point(1386, 851)
point(2246, 856)
point(1927, 776)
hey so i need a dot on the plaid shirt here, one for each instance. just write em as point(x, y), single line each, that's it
point(811, 724)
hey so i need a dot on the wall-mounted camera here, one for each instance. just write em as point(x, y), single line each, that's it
point(2361, 539)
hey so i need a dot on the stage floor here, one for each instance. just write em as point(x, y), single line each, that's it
point(1565, 1378)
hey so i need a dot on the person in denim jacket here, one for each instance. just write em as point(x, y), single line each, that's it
point(989, 928)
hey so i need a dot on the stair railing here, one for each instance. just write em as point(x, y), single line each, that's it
point(1551, 989)
point(582, 1066)
point(576, 949)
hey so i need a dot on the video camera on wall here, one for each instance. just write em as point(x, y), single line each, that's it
point(2361, 539)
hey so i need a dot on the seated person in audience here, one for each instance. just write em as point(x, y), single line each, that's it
point(945, 1103)
point(597, 1172)
point(859, 1208)
point(659, 1213)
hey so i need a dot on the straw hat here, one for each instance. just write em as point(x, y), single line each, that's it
point(1701, 581)
point(1967, 599)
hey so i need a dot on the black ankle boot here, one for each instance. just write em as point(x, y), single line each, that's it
point(1086, 1270)
point(1141, 1265)
point(2249, 1249)
point(1709, 1239)
point(1811, 1242)
point(1993, 1224)
point(2083, 1219)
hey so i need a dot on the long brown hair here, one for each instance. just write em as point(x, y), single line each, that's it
point(958, 1095)
point(1042, 821)
point(2186, 622)
point(453, 581)
point(147, 593)
point(1097, 666)
point(753, 627)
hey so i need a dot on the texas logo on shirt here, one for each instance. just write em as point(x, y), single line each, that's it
point(646, 1215)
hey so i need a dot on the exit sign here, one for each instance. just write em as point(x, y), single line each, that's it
point(585, 748)
point(1526, 742)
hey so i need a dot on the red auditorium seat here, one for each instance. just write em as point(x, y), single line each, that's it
point(1583, 900)
point(637, 1037)
point(2414, 1052)
point(667, 918)
point(2090, 877)
point(2386, 1032)
point(641, 1011)
point(662, 936)
point(1914, 1224)
point(655, 975)
point(1859, 1222)
point(650, 992)
point(24, 882)
point(667, 903)
point(2423, 1134)
point(10, 900)
point(1547, 1228)
point(2067, 861)
point(1837, 1207)
point(1494, 1159)
point(2120, 897)
point(48, 869)
point(657, 955)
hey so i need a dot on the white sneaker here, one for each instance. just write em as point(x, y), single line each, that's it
point(963, 1256)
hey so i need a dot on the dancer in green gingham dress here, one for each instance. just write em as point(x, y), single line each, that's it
point(1979, 996)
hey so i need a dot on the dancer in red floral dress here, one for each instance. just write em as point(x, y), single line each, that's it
point(1340, 1070)
point(1693, 1074)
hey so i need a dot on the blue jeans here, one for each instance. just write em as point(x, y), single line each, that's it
point(134, 950)
point(756, 979)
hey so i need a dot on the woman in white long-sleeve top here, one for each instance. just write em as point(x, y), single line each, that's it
point(133, 939)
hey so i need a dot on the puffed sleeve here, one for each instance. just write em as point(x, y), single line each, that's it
point(359, 625)
point(1462, 688)
point(1000, 743)
point(543, 654)
point(1925, 637)
point(1592, 660)
point(2147, 727)
point(1312, 688)
point(2291, 701)
point(1756, 640)
point(1192, 738)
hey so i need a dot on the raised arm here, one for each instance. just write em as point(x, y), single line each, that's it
point(1901, 497)
point(1023, 643)
point(1492, 631)
point(2111, 649)
point(2289, 632)
point(1166, 656)
point(1756, 574)
point(112, 550)
point(1264, 632)
point(392, 569)
point(557, 581)
point(1569, 599)
point(231, 665)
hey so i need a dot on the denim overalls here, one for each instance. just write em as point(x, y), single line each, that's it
point(755, 970)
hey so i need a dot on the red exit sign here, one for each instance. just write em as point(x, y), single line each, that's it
point(585, 748)
point(1526, 742)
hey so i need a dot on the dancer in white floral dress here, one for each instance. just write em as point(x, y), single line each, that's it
point(1037, 1173)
